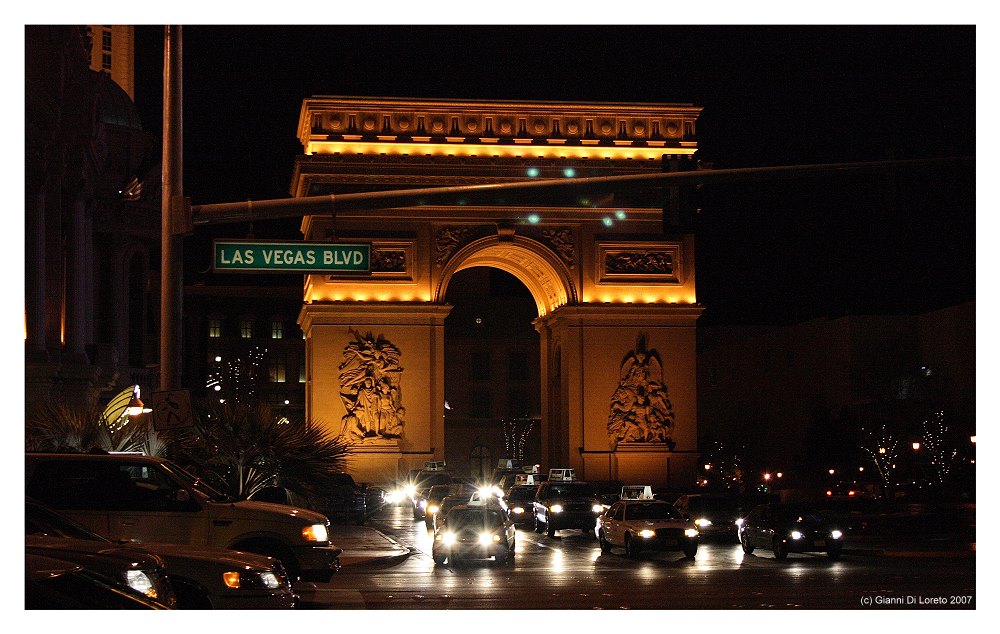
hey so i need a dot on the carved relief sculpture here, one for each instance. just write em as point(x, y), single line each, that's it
point(369, 387)
point(561, 240)
point(640, 408)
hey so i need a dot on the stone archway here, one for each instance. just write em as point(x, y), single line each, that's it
point(527, 260)
point(612, 284)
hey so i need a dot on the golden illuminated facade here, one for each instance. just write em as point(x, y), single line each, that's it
point(112, 50)
point(614, 288)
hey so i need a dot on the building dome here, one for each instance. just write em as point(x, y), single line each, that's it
point(116, 106)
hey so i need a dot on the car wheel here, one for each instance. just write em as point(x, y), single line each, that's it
point(691, 550)
point(550, 530)
point(747, 546)
point(780, 548)
point(605, 545)
point(631, 547)
point(439, 560)
point(833, 551)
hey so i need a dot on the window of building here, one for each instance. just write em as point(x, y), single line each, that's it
point(246, 328)
point(481, 405)
point(517, 366)
point(106, 41)
point(214, 328)
point(480, 366)
point(302, 373)
point(276, 369)
point(106, 61)
point(277, 329)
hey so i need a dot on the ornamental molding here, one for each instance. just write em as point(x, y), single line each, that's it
point(448, 240)
point(496, 122)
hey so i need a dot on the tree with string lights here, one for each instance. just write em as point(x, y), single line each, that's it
point(883, 447)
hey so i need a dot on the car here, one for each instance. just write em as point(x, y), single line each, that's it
point(789, 528)
point(343, 500)
point(56, 584)
point(435, 495)
point(714, 515)
point(128, 568)
point(419, 485)
point(474, 531)
point(201, 577)
point(148, 499)
point(447, 504)
point(520, 499)
point(646, 524)
point(562, 502)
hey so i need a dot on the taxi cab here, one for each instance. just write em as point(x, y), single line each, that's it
point(520, 500)
point(638, 522)
point(476, 530)
point(563, 502)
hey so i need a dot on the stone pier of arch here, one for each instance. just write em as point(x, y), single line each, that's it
point(614, 288)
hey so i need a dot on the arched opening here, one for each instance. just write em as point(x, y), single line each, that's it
point(492, 372)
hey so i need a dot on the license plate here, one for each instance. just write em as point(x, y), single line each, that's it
point(819, 543)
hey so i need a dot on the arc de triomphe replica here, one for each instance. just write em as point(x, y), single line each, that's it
point(614, 287)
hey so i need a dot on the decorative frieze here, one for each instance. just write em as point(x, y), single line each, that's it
point(447, 240)
point(639, 262)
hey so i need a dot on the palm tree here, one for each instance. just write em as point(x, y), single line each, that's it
point(65, 428)
point(247, 448)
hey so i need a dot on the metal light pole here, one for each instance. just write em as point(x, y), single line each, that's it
point(171, 266)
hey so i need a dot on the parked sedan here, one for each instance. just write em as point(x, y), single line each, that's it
point(200, 576)
point(789, 528)
point(127, 568)
point(714, 515)
point(56, 584)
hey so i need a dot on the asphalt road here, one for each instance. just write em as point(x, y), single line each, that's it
point(569, 572)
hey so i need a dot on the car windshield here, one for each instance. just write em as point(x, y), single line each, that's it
point(651, 511)
point(473, 519)
point(451, 502)
point(522, 493)
point(197, 484)
point(39, 520)
point(572, 490)
point(427, 480)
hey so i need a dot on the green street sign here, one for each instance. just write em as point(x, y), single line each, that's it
point(291, 257)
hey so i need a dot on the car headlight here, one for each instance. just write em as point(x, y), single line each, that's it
point(315, 533)
point(647, 533)
point(270, 580)
point(701, 521)
point(486, 538)
point(796, 535)
point(141, 582)
point(422, 504)
point(690, 532)
point(836, 534)
point(556, 508)
point(448, 539)
point(739, 523)
point(518, 510)
point(597, 508)
point(410, 491)
point(432, 509)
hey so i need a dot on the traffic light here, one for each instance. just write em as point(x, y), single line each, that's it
point(680, 208)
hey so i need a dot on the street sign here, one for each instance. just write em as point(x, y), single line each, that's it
point(291, 257)
point(172, 410)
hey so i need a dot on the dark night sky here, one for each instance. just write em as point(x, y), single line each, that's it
point(771, 96)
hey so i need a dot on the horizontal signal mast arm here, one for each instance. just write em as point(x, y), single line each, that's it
point(219, 213)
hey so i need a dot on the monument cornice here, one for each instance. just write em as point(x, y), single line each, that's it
point(440, 127)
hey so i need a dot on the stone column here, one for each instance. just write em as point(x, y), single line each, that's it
point(34, 276)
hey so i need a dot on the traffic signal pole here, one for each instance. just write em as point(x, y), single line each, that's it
point(171, 214)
